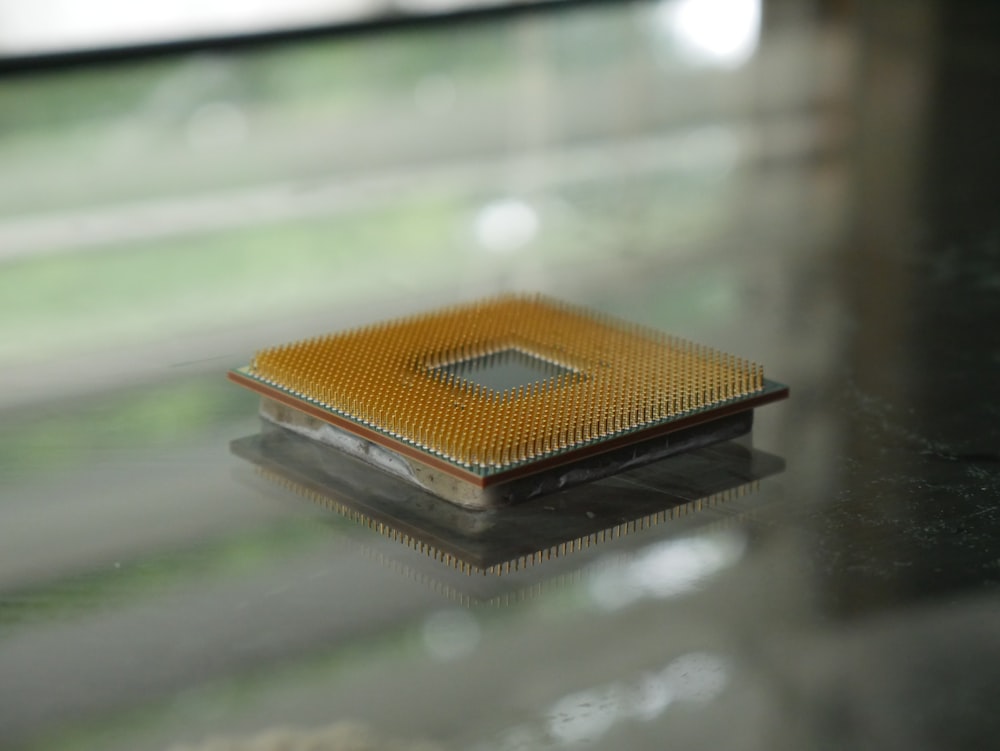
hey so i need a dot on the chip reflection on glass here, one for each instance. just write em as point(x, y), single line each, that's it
point(697, 488)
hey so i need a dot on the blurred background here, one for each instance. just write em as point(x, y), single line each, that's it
point(811, 185)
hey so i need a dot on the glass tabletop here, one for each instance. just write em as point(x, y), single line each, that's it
point(810, 186)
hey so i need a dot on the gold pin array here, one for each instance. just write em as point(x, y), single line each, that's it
point(618, 377)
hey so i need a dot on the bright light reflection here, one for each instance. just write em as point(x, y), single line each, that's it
point(712, 32)
point(585, 716)
point(666, 569)
point(53, 25)
point(696, 677)
point(506, 225)
point(650, 698)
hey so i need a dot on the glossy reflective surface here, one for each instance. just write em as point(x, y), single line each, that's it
point(812, 188)
point(570, 517)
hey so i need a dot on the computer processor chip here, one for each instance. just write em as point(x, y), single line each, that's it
point(491, 402)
